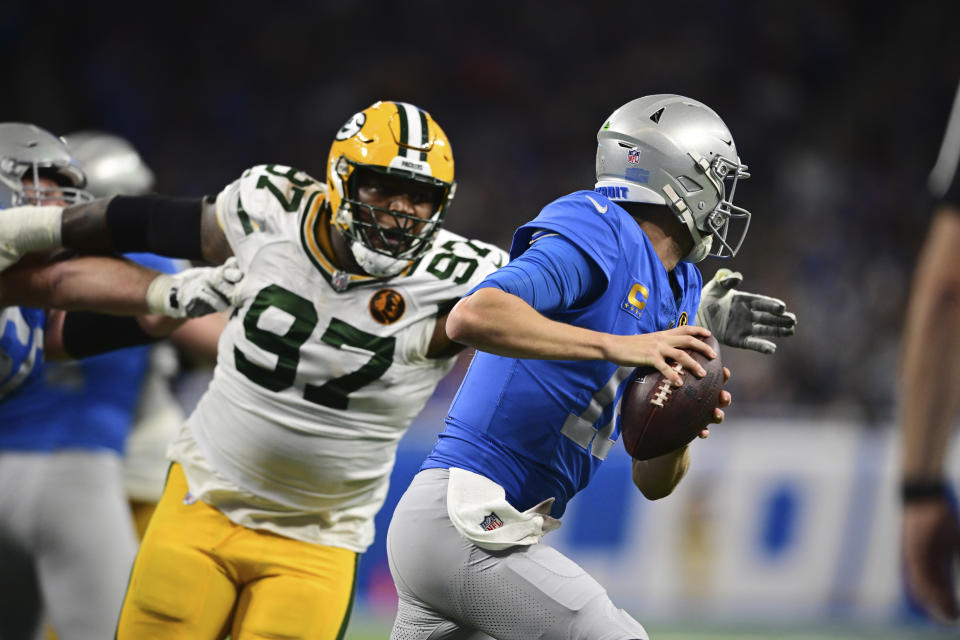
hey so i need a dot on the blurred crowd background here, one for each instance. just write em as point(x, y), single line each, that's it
point(837, 107)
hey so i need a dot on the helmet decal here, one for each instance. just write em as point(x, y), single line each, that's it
point(352, 126)
point(413, 137)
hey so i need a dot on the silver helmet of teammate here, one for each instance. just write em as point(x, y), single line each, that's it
point(112, 165)
point(29, 153)
point(672, 150)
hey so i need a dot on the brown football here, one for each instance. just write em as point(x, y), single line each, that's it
point(657, 417)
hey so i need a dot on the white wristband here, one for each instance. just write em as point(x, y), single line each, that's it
point(31, 228)
point(158, 294)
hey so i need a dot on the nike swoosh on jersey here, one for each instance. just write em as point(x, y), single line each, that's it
point(596, 204)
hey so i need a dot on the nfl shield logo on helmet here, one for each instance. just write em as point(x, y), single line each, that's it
point(633, 156)
point(491, 522)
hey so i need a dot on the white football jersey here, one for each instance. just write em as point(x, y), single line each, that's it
point(319, 372)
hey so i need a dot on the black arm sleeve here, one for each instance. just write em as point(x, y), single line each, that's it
point(156, 224)
point(88, 334)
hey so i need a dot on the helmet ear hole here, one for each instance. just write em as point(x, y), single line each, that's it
point(343, 167)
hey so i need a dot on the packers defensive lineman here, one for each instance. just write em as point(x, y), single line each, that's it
point(335, 345)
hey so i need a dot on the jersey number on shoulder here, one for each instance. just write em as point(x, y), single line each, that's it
point(445, 265)
point(334, 393)
point(296, 186)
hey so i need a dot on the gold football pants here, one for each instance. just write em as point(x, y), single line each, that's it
point(200, 576)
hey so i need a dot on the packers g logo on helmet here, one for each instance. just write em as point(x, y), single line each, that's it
point(399, 140)
point(352, 126)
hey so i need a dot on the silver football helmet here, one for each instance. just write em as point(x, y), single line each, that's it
point(112, 165)
point(672, 150)
point(28, 152)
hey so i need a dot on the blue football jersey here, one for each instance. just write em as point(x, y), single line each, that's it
point(83, 404)
point(541, 428)
point(21, 348)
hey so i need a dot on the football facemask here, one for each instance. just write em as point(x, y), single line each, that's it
point(400, 235)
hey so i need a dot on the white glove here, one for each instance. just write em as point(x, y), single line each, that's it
point(738, 319)
point(25, 229)
point(195, 292)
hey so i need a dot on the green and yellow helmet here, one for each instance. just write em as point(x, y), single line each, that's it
point(399, 140)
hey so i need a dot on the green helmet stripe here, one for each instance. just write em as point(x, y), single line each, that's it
point(404, 129)
point(424, 134)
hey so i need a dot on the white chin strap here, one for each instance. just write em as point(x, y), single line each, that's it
point(376, 264)
point(701, 249)
point(701, 243)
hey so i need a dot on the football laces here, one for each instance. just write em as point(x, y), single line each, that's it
point(665, 388)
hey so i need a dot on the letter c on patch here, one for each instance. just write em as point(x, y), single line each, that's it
point(632, 298)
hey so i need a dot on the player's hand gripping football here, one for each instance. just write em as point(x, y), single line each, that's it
point(931, 550)
point(741, 319)
point(654, 349)
point(658, 348)
point(725, 400)
point(195, 292)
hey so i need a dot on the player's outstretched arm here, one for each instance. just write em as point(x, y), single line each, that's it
point(741, 319)
point(108, 285)
point(81, 334)
point(498, 322)
point(175, 227)
point(120, 287)
point(929, 400)
point(115, 286)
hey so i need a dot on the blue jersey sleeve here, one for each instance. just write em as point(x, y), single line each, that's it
point(551, 274)
point(153, 261)
point(583, 218)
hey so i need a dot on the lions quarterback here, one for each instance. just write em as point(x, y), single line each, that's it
point(599, 283)
point(337, 342)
